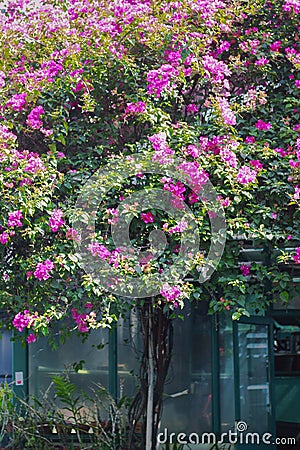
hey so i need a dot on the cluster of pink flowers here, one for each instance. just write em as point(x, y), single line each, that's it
point(245, 269)
point(275, 46)
point(212, 144)
point(171, 293)
point(246, 175)
point(4, 238)
point(179, 228)
point(217, 70)
point(14, 219)
point(23, 320)
point(42, 270)
point(147, 217)
point(261, 61)
point(256, 164)
point(162, 150)
point(297, 193)
point(33, 119)
point(292, 4)
point(192, 150)
point(197, 177)
point(228, 157)
point(192, 108)
point(99, 250)
point(225, 202)
point(135, 108)
point(34, 163)
point(113, 216)
point(160, 79)
point(80, 320)
point(31, 338)
point(296, 257)
point(227, 114)
point(73, 235)
point(56, 220)
point(17, 102)
point(261, 125)
point(2, 79)
point(176, 190)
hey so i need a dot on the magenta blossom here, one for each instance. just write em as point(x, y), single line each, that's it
point(99, 250)
point(22, 320)
point(147, 217)
point(261, 125)
point(246, 175)
point(4, 238)
point(256, 164)
point(14, 219)
point(245, 269)
point(56, 221)
point(42, 270)
point(171, 293)
point(33, 119)
point(31, 338)
point(296, 257)
point(135, 108)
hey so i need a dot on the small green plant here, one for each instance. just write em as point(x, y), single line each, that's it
point(6, 402)
point(63, 418)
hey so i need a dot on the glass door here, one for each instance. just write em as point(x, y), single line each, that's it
point(254, 376)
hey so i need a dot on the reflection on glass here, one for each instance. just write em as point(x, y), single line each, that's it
point(254, 376)
point(5, 356)
point(128, 353)
point(187, 404)
point(44, 362)
point(226, 372)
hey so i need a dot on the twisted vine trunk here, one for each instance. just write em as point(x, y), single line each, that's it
point(146, 408)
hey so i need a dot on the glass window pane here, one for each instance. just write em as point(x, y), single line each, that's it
point(254, 376)
point(5, 356)
point(44, 362)
point(187, 404)
point(226, 372)
point(129, 345)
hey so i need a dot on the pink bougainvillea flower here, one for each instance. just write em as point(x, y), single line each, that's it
point(14, 219)
point(99, 250)
point(296, 257)
point(42, 270)
point(228, 157)
point(250, 139)
point(33, 119)
point(275, 46)
point(245, 269)
point(56, 220)
point(4, 238)
point(73, 235)
point(246, 175)
point(179, 228)
point(261, 61)
point(290, 5)
point(17, 102)
point(261, 125)
point(147, 217)
point(227, 114)
point(256, 164)
point(192, 108)
point(297, 193)
point(170, 293)
point(31, 338)
point(135, 108)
